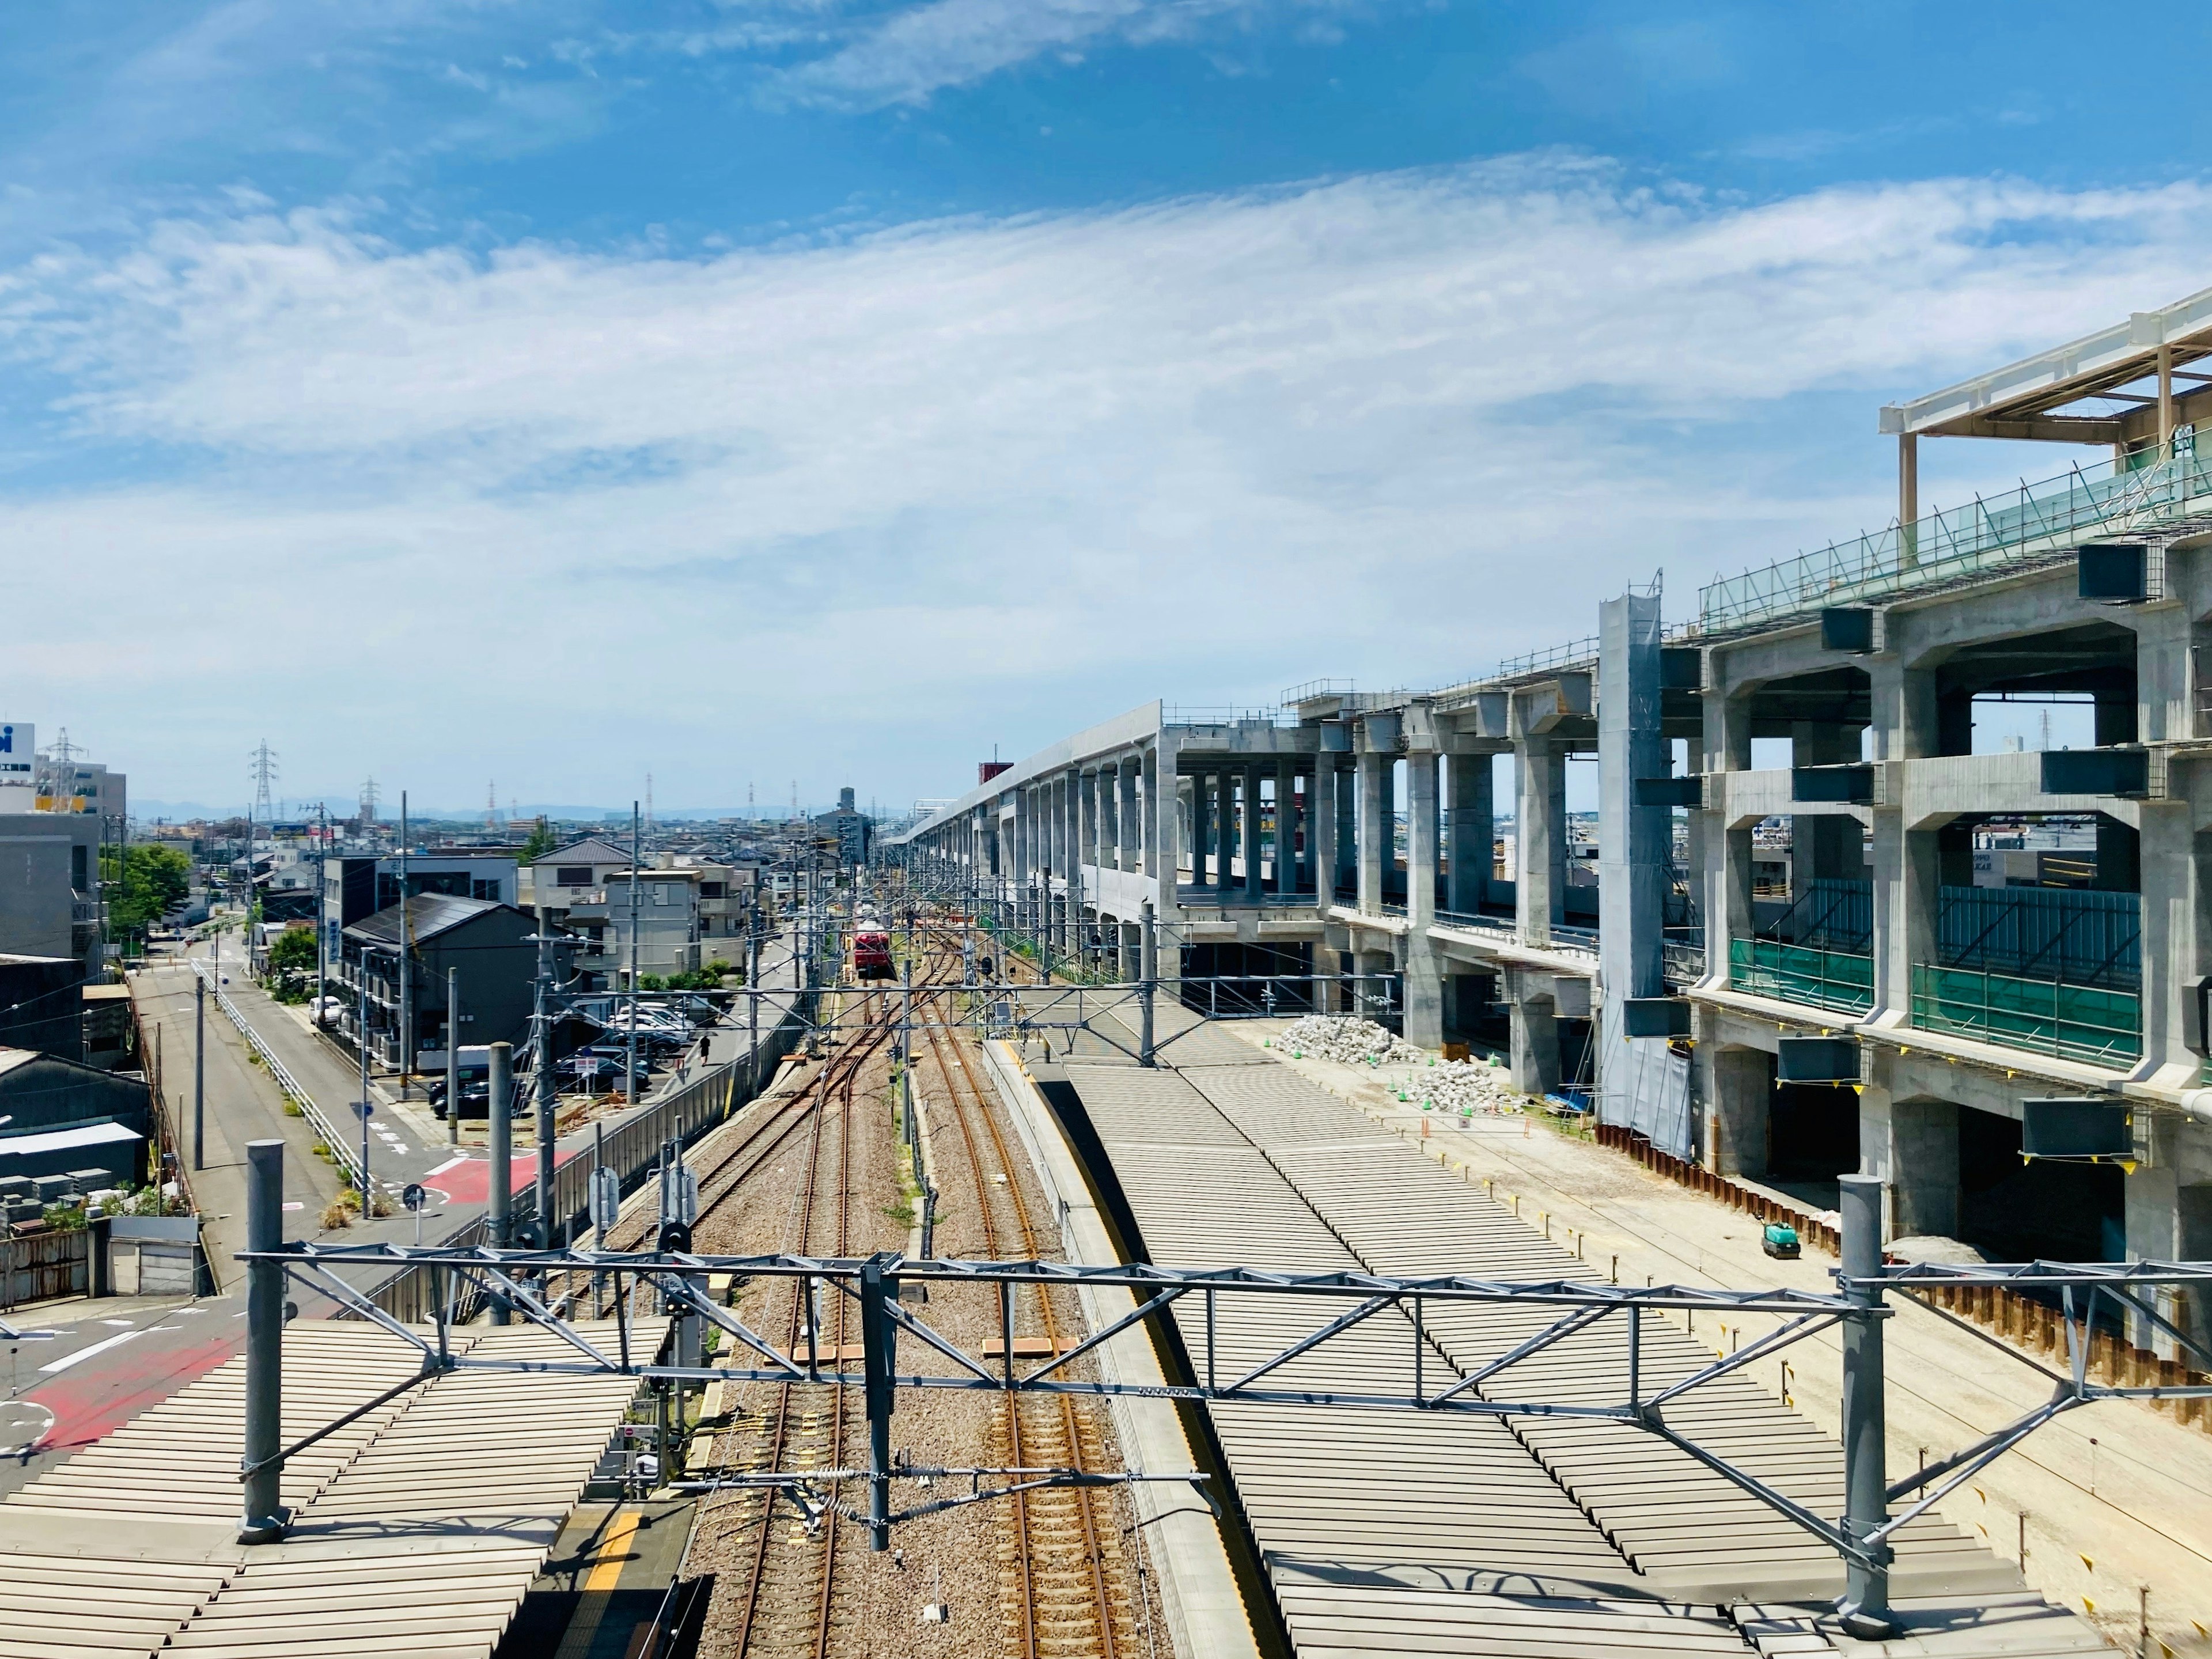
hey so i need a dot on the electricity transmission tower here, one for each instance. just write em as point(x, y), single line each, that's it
point(264, 765)
point(368, 802)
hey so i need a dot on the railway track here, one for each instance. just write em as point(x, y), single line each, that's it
point(788, 1602)
point(1063, 1570)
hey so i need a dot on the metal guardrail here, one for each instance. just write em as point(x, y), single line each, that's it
point(2046, 519)
point(1294, 695)
point(341, 1154)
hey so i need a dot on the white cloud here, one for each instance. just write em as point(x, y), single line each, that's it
point(850, 510)
point(922, 49)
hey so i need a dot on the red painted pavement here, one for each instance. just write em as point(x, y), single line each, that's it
point(129, 1381)
point(470, 1182)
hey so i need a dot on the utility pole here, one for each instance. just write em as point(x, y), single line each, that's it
point(1145, 972)
point(323, 920)
point(629, 1071)
point(406, 963)
point(752, 996)
point(453, 1057)
point(541, 1032)
point(500, 1146)
point(361, 1017)
point(199, 1072)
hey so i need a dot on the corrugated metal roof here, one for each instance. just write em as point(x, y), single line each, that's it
point(417, 1530)
point(1346, 1505)
point(61, 1141)
point(1374, 1523)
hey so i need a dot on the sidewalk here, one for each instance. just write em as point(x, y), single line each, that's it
point(2114, 1496)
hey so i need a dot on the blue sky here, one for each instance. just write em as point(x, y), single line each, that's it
point(556, 392)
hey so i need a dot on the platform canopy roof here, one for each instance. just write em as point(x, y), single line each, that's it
point(2112, 374)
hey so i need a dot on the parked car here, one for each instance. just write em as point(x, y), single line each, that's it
point(473, 1072)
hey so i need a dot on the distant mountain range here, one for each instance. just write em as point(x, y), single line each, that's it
point(177, 811)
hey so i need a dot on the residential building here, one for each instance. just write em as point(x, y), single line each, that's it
point(358, 886)
point(852, 829)
point(585, 889)
point(490, 948)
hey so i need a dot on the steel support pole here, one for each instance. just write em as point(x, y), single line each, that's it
point(1865, 1605)
point(453, 1057)
point(499, 1146)
point(263, 1517)
point(199, 1073)
point(1145, 970)
point(877, 1336)
point(548, 1101)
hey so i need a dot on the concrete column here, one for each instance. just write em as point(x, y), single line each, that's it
point(1127, 825)
point(1286, 829)
point(1468, 780)
point(1255, 889)
point(1539, 838)
point(1913, 1144)
point(1823, 846)
point(1904, 714)
point(1347, 827)
point(1374, 832)
point(1201, 823)
point(1908, 873)
point(1738, 1086)
point(1535, 1053)
point(1074, 819)
point(2169, 877)
point(1425, 995)
point(1320, 809)
point(1149, 821)
point(1224, 817)
point(1162, 825)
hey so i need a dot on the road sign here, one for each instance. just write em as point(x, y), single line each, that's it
point(415, 1197)
point(364, 1110)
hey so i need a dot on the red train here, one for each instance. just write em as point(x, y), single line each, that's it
point(871, 955)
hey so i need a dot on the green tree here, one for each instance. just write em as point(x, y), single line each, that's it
point(144, 884)
point(295, 949)
point(539, 843)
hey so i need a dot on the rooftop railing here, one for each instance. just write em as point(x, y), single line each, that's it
point(2037, 522)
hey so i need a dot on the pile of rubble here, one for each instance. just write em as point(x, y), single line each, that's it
point(1348, 1040)
point(1461, 1086)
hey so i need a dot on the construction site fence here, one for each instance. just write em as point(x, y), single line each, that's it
point(39, 1263)
point(685, 1115)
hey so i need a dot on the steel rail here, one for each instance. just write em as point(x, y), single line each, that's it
point(1070, 1424)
